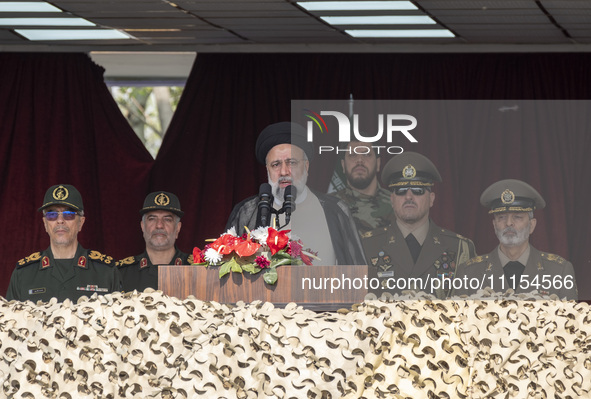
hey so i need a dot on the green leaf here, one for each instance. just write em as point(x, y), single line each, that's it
point(280, 262)
point(225, 269)
point(251, 268)
point(234, 266)
point(270, 276)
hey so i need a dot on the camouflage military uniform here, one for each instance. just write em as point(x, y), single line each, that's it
point(37, 277)
point(389, 257)
point(369, 212)
point(138, 272)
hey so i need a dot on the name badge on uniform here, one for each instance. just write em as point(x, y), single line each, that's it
point(93, 288)
point(34, 291)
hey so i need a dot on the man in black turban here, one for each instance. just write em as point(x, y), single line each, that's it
point(322, 222)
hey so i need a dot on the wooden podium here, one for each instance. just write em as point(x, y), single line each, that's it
point(319, 288)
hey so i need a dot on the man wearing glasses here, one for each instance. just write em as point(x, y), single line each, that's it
point(322, 222)
point(65, 270)
point(413, 253)
point(161, 224)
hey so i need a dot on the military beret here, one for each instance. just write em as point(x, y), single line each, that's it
point(63, 194)
point(162, 200)
point(282, 133)
point(410, 169)
point(511, 195)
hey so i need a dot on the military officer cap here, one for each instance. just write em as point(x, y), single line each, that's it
point(63, 194)
point(410, 169)
point(511, 195)
point(162, 200)
point(282, 133)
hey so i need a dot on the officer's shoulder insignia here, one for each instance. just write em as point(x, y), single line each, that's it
point(477, 259)
point(367, 234)
point(29, 259)
point(99, 257)
point(553, 258)
point(130, 260)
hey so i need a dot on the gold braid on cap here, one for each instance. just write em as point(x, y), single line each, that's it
point(512, 209)
point(411, 183)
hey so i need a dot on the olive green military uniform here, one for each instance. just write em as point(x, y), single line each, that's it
point(138, 272)
point(369, 211)
point(544, 272)
point(389, 257)
point(38, 278)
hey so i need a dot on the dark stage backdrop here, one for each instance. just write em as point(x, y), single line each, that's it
point(61, 125)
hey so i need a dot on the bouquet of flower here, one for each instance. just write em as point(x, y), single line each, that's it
point(263, 248)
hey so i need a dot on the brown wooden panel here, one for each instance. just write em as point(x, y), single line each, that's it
point(316, 287)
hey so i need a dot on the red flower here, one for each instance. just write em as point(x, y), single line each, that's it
point(306, 259)
point(262, 262)
point(246, 248)
point(277, 240)
point(198, 256)
point(295, 249)
point(225, 244)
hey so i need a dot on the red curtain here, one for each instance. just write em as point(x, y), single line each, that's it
point(60, 124)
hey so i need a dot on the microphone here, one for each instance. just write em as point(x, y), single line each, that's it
point(289, 199)
point(264, 207)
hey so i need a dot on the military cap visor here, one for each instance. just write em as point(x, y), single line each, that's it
point(282, 133)
point(63, 194)
point(511, 195)
point(410, 169)
point(162, 200)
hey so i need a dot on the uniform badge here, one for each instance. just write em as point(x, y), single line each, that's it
point(143, 263)
point(436, 240)
point(45, 262)
point(409, 172)
point(178, 261)
point(34, 291)
point(446, 264)
point(391, 240)
point(387, 259)
point(60, 193)
point(374, 261)
point(82, 262)
point(507, 197)
point(540, 266)
point(161, 199)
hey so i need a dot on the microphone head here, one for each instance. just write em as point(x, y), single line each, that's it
point(265, 189)
point(291, 192)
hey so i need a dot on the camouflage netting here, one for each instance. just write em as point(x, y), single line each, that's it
point(149, 345)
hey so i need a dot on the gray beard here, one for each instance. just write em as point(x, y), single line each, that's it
point(518, 239)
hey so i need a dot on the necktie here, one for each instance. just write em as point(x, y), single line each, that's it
point(413, 246)
point(511, 269)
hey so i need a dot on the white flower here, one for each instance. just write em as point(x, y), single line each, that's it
point(212, 256)
point(260, 235)
point(231, 231)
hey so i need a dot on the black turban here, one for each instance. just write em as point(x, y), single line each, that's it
point(282, 133)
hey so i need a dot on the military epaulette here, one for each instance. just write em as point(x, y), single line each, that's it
point(375, 232)
point(102, 258)
point(476, 259)
point(130, 260)
point(27, 260)
point(553, 258)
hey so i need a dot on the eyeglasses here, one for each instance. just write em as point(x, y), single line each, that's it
point(289, 163)
point(415, 190)
point(53, 215)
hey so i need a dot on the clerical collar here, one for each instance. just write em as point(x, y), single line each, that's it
point(301, 197)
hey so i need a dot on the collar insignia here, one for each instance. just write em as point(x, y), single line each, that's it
point(178, 261)
point(143, 263)
point(45, 262)
point(82, 262)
